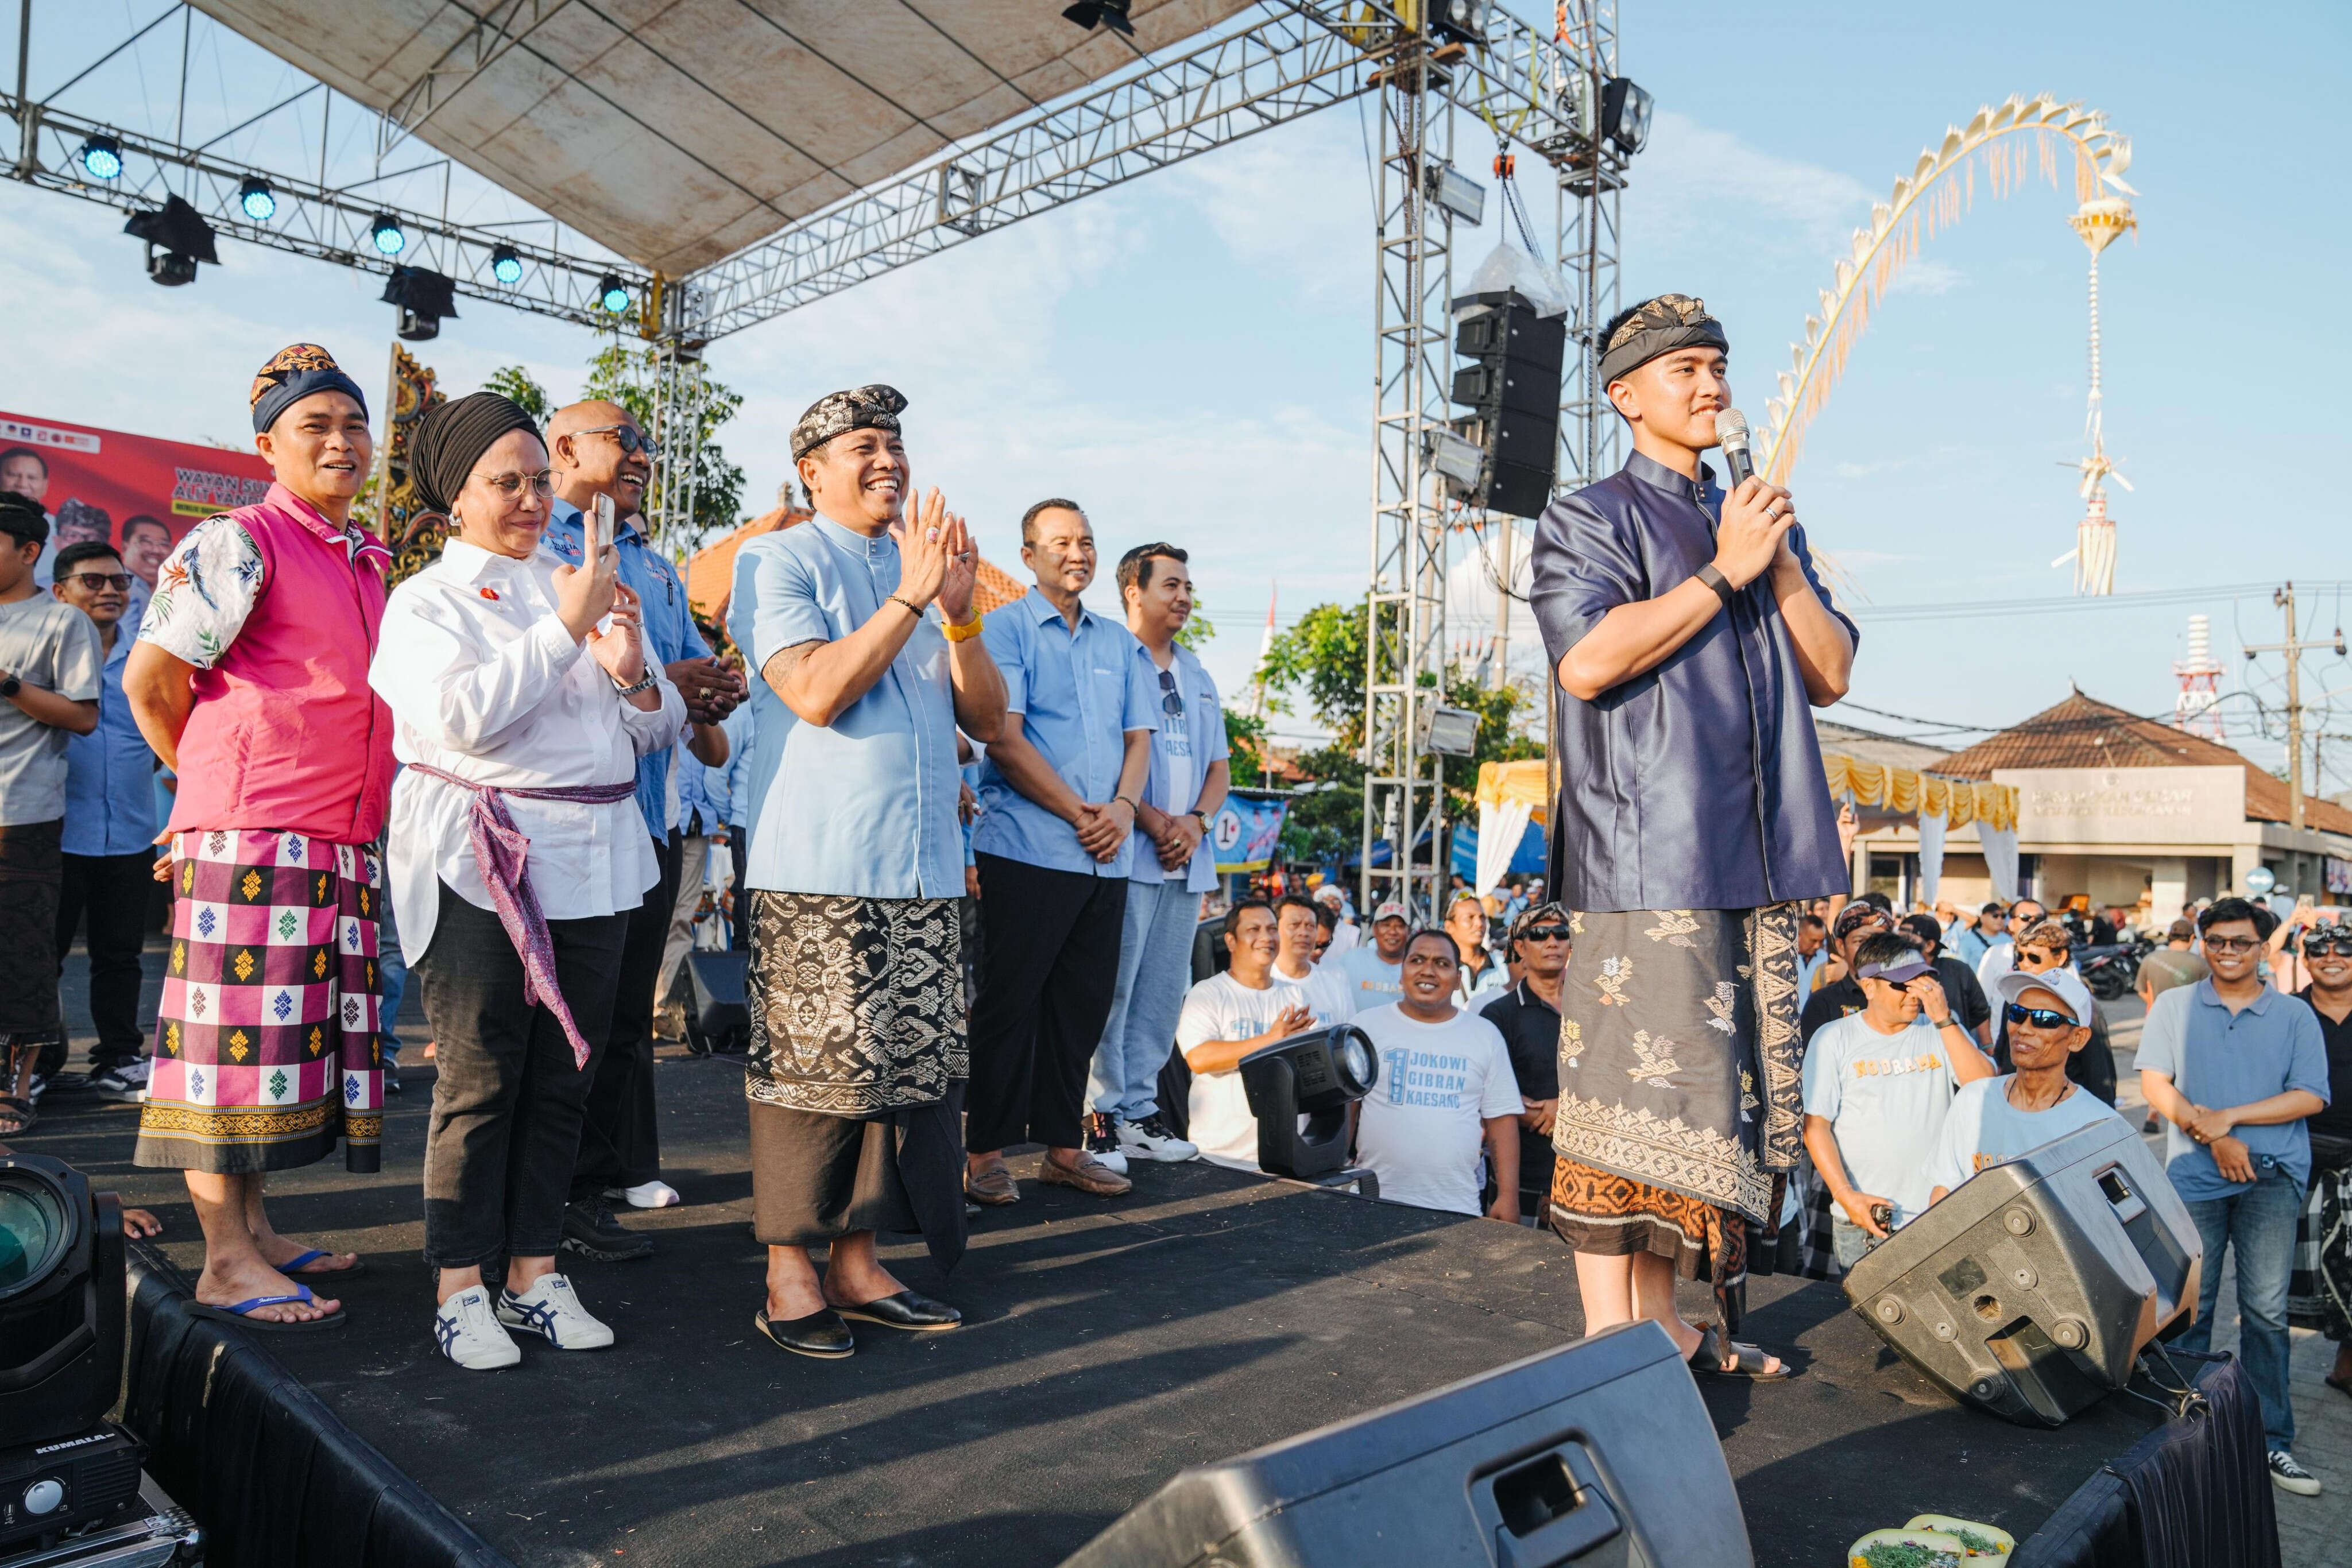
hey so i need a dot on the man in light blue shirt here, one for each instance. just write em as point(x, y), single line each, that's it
point(2235, 1068)
point(597, 449)
point(1059, 796)
point(110, 829)
point(1169, 869)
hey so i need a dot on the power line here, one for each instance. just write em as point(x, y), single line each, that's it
point(1973, 609)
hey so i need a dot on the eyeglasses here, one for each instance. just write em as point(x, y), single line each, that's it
point(1172, 701)
point(2040, 1017)
point(543, 484)
point(2232, 944)
point(91, 581)
point(629, 437)
point(1545, 934)
point(2322, 939)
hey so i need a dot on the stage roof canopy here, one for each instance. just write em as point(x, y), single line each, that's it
point(679, 131)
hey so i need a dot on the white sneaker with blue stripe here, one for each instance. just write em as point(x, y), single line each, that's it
point(551, 1310)
point(468, 1332)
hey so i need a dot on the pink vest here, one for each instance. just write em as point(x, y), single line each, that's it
point(285, 734)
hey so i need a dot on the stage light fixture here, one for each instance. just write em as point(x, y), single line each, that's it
point(1463, 21)
point(506, 266)
point(1456, 192)
point(1624, 114)
point(424, 297)
point(177, 238)
point(1449, 731)
point(101, 157)
point(613, 294)
point(1462, 462)
point(257, 200)
point(389, 237)
point(1092, 13)
point(1316, 1075)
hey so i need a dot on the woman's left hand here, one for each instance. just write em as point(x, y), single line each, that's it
point(621, 651)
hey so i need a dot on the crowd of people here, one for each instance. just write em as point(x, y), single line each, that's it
point(1686, 1050)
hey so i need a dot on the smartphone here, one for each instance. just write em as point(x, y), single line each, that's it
point(603, 531)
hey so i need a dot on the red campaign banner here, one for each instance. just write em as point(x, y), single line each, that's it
point(93, 483)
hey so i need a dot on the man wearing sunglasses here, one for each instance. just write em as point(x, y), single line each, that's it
point(595, 449)
point(2237, 1068)
point(2050, 947)
point(2327, 954)
point(2001, 956)
point(1527, 1016)
point(110, 827)
point(1994, 1120)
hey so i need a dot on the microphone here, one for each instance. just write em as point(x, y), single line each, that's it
point(1731, 433)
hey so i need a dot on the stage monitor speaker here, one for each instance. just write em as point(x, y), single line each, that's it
point(1599, 1453)
point(2032, 1288)
point(718, 1018)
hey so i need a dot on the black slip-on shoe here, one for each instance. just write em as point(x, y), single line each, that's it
point(591, 1231)
point(906, 1310)
point(822, 1334)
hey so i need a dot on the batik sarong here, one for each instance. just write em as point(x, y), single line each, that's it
point(266, 1046)
point(857, 1004)
point(1680, 1099)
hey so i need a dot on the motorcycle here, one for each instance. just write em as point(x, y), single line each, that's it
point(2112, 969)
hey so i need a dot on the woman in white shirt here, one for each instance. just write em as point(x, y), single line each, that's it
point(516, 851)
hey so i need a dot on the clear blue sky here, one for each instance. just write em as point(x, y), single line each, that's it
point(1189, 356)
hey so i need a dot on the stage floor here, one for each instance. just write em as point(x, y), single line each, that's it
point(1108, 1346)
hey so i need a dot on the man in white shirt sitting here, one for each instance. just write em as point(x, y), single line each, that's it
point(1994, 1120)
point(1225, 1018)
point(1320, 988)
point(1375, 973)
point(1445, 1089)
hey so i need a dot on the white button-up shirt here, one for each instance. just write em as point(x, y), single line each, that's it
point(487, 683)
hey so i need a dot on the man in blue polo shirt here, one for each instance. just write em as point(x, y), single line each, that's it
point(2235, 1068)
point(110, 829)
point(597, 449)
point(1058, 797)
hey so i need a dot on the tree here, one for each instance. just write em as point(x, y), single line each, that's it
point(514, 383)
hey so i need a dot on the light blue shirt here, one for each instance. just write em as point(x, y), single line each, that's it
point(109, 773)
point(1967, 944)
point(2222, 1059)
point(728, 789)
point(1077, 697)
point(694, 812)
point(864, 806)
point(1201, 728)
point(668, 626)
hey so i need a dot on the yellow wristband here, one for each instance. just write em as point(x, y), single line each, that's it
point(967, 632)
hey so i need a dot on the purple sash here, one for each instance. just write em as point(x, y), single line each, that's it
point(504, 853)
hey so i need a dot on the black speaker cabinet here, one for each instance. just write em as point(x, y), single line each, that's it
point(2033, 1286)
point(1598, 1453)
point(719, 1017)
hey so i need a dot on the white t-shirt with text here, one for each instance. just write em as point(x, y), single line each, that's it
point(1420, 1130)
point(1984, 1129)
point(1886, 1097)
point(1221, 1008)
point(1325, 992)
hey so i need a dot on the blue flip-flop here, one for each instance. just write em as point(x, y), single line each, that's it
point(294, 1265)
point(240, 1312)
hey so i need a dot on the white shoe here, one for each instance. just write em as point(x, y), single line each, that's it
point(645, 1194)
point(2290, 1477)
point(1099, 1134)
point(1149, 1139)
point(469, 1333)
point(551, 1309)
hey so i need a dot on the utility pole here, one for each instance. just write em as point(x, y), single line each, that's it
point(2294, 648)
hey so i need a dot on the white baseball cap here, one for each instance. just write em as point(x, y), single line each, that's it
point(1391, 909)
point(2060, 982)
point(1330, 894)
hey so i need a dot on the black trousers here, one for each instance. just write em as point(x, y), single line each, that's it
point(620, 1144)
point(508, 1098)
point(1048, 967)
point(738, 844)
point(108, 894)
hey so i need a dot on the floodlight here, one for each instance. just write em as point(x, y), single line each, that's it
point(101, 157)
point(1457, 192)
point(506, 266)
point(1316, 1075)
point(1462, 462)
point(1449, 731)
point(259, 202)
point(389, 237)
point(613, 294)
point(424, 296)
point(1624, 114)
point(1463, 21)
point(1111, 14)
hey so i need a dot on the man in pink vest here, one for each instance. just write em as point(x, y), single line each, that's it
point(250, 680)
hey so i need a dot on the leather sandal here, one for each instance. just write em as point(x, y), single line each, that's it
point(1088, 1175)
point(1747, 1361)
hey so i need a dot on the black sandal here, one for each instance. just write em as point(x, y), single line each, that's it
point(21, 1110)
point(1746, 1360)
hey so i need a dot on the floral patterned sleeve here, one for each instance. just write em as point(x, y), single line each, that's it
point(203, 592)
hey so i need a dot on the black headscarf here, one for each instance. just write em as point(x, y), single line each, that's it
point(293, 374)
point(450, 438)
point(1658, 326)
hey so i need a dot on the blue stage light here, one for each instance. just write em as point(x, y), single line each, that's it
point(613, 294)
point(102, 158)
point(259, 202)
point(506, 266)
point(390, 238)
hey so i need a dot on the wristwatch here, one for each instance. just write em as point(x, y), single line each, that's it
point(643, 683)
point(10, 685)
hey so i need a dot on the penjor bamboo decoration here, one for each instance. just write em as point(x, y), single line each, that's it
point(2100, 222)
point(2010, 144)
